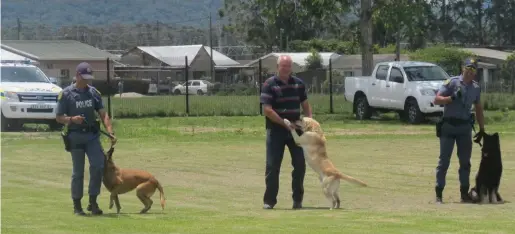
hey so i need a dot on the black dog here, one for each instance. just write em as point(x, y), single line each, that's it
point(488, 177)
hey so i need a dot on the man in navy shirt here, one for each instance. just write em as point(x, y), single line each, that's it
point(282, 96)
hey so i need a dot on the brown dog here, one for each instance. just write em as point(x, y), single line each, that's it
point(313, 142)
point(119, 181)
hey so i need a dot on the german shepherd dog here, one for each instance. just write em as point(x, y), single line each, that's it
point(120, 180)
point(488, 177)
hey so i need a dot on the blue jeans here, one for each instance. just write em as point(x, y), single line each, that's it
point(86, 144)
point(462, 136)
point(276, 140)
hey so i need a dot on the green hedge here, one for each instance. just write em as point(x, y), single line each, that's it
point(161, 106)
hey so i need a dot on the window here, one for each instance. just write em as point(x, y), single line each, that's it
point(425, 73)
point(23, 74)
point(196, 83)
point(396, 75)
point(381, 72)
point(348, 73)
point(65, 73)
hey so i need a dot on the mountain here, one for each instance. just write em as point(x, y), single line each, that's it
point(57, 13)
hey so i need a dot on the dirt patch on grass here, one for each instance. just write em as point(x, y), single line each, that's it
point(129, 95)
point(345, 132)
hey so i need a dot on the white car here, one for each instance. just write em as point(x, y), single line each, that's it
point(27, 96)
point(406, 87)
point(199, 87)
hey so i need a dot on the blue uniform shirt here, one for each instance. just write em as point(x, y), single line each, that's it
point(73, 101)
point(460, 107)
point(285, 98)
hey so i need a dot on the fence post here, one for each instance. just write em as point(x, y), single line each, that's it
point(109, 107)
point(512, 63)
point(260, 87)
point(186, 71)
point(331, 108)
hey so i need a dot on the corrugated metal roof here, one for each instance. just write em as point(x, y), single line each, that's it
point(220, 59)
point(55, 50)
point(299, 58)
point(488, 53)
point(175, 55)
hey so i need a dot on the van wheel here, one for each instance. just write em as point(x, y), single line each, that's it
point(4, 123)
point(412, 112)
point(363, 110)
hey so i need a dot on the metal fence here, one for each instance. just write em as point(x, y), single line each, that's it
point(195, 88)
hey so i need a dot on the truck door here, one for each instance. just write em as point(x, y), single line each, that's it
point(378, 89)
point(395, 85)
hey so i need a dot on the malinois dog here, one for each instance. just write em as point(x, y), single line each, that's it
point(312, 141)
point(120, 181)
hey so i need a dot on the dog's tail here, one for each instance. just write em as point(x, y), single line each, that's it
point(161, 194)
point(350, 179)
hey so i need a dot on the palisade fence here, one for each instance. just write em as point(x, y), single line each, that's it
point(190, 88)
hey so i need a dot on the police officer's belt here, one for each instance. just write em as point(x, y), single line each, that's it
point(455, 121)
point(86, 129)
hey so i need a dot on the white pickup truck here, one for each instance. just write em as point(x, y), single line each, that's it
point(27, 96)
point(406, 87)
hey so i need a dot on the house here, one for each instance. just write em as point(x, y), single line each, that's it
point(489, 63)
point(173, 59)
point(269, 61)
point(351, 65)
point(59, 58)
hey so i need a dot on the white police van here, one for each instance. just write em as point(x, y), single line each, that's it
point(27, 96)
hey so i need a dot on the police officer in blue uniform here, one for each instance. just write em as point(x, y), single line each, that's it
point(458, 94)
point(282, 96)
point(76, 108)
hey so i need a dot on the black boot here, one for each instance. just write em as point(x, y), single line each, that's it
point(93, 206)
point(77, 207)
point(439, 192)
point(465, 198)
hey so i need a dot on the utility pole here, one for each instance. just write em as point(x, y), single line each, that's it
point(19, 28)
point(157, 34)
point(211, 45)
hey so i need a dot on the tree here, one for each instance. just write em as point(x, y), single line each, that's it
point(367, 56)
point(314, 61)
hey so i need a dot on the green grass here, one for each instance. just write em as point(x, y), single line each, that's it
point(212, 170)
point(161, 106)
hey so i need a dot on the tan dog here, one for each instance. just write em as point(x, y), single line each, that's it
point(119, 181)
point(313, 142)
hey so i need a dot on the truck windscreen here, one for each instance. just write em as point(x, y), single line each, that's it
point(22, 74)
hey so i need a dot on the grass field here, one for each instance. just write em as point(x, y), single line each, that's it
point(212, 170)
point(152, 106)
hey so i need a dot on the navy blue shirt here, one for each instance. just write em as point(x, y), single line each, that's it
point(73, 101)
point(460, 107)
point(285, 98)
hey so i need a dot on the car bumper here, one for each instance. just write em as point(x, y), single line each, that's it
point(29, 110)
point(427, 106)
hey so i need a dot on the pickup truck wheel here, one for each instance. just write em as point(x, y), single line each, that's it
point(55, 126)
point(412, 112)
point(363, 110)
point(177, 92)
point(199, 92)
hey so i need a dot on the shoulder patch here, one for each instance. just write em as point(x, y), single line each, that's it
point(60, 95)
point(446, 82)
